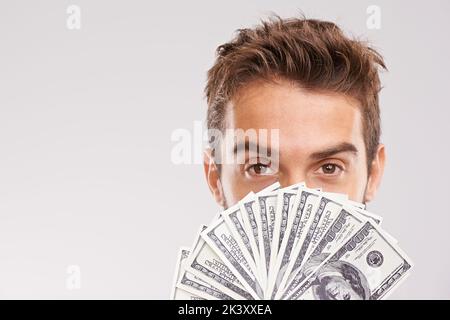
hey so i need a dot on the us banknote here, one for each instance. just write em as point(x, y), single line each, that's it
point(291, 242)
point(366, 267)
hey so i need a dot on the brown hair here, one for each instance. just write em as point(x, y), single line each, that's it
point(311, 53)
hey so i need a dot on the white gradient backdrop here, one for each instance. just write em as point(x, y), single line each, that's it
point(86, 118)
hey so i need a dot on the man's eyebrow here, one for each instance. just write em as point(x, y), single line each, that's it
point(250, 145)
point(330, 151)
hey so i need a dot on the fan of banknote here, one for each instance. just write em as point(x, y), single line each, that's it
point(292, 243)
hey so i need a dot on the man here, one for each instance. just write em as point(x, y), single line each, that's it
point(317, 88)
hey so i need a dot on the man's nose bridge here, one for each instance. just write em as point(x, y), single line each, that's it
point(293, 176)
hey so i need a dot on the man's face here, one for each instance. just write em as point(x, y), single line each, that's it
point(320, 142)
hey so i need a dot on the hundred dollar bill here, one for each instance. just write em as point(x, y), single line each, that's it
point(360, 208)
point(332, 210)
point(285, 202)
point(177, 293)
point(189, 283)
point(304, 204)
point(205, 264)
point(369, 215)
point(267, 202)
point(345, 225)
point(233, 218)
point(221, 240)
point(181, 294)
point(250, 210)
point(367, 266)
point(318, 222)
point(377, 219)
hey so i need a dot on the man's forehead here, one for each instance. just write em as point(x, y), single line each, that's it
point(306, 121)
point(289, 108)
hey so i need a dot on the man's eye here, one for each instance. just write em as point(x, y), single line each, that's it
point(330, 169)
point(260, 169)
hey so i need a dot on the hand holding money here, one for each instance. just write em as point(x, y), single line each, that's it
point(291, 243)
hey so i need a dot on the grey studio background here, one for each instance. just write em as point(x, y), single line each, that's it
point(86, 117)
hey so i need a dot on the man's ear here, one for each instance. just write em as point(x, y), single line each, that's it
point(212, 175)
point(376, 173)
